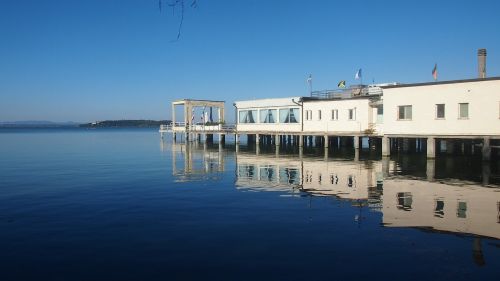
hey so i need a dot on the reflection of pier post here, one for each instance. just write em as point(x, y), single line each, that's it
point(430, 169)
point(486, 173)
point(385, 166)
point(221, 157)
point(386, 147)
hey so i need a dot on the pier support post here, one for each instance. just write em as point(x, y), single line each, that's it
point(386, 147)
point(355, 141)
point(174, 135)
point(257, 139)
point(237, 139)
point(431, 147)
point(430, 169)
point(326, 141)
point(277, 140)
point(301, 141)
point(486, 149)
point(222, 138)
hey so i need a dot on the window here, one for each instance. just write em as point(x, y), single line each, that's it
point(309, 114)
point(289, 115)
point(319, 114)
point(380, 114)
point(440, 111)
point(247, 116)
point(335, 114)
point(404, 112)
point(352, 114)
point(463, 110)
point(268, 116)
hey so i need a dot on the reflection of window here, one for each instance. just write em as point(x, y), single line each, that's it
point(439, 210)
point(498, 205)
point(247, 116)
point(289, 176)
point(289, 115)
point(404, 201)
point(267, 173)
point(350, 181)
point(246, 172)
point(268, 116)
point(404, 112)
point(462, 210)
point(319, 114)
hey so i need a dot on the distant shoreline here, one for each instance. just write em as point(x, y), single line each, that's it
point(97, 124)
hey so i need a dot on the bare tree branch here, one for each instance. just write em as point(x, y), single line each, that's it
point(178, 4)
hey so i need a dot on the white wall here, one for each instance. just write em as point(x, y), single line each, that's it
point(484, 106)
point(364, 115)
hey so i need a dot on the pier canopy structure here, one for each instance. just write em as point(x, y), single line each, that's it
point(207, 122)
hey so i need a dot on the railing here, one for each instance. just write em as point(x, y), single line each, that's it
point(347, 93)
point(181, 126)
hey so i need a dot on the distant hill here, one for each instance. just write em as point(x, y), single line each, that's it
point(37, 124)
point(126, 123)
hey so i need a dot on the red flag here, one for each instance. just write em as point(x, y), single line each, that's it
point(435, 72)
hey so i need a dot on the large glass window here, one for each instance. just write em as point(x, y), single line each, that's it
point(404, 112)
point(268, 116)
point(247, 116)
point(440, 111)
point(289, 115)
point(463, 110)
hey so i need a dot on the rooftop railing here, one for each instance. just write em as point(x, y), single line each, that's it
point(347, 93)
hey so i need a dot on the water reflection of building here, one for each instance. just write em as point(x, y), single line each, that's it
point(343, 179)
point(194, 161)
point(405, 200)
point(442, 207)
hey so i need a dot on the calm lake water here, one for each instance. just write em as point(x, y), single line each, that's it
point(121, 204)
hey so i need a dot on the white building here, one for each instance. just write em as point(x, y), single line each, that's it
point(449, 108)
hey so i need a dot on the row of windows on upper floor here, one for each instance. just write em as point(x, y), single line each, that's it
point(334, 114)
point(405, 112)
point(286, 115)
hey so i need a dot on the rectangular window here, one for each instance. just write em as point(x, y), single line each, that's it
point(380, 114)
point(335, 114)
point(309, 114)
point(463, 110)
point(289, 115)
point(247, 116)
point(440, 111)
point(319, 114)
point(268, 116)
point(351, 114)
point(404, 112)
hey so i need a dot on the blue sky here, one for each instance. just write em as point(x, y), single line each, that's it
point(72, 60)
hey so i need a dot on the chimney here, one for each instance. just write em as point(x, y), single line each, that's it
point(481, 62)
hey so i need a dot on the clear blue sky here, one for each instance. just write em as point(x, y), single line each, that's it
point(85, 60)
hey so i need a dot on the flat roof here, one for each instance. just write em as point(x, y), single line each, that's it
point(440, 82)
point(198, 100)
